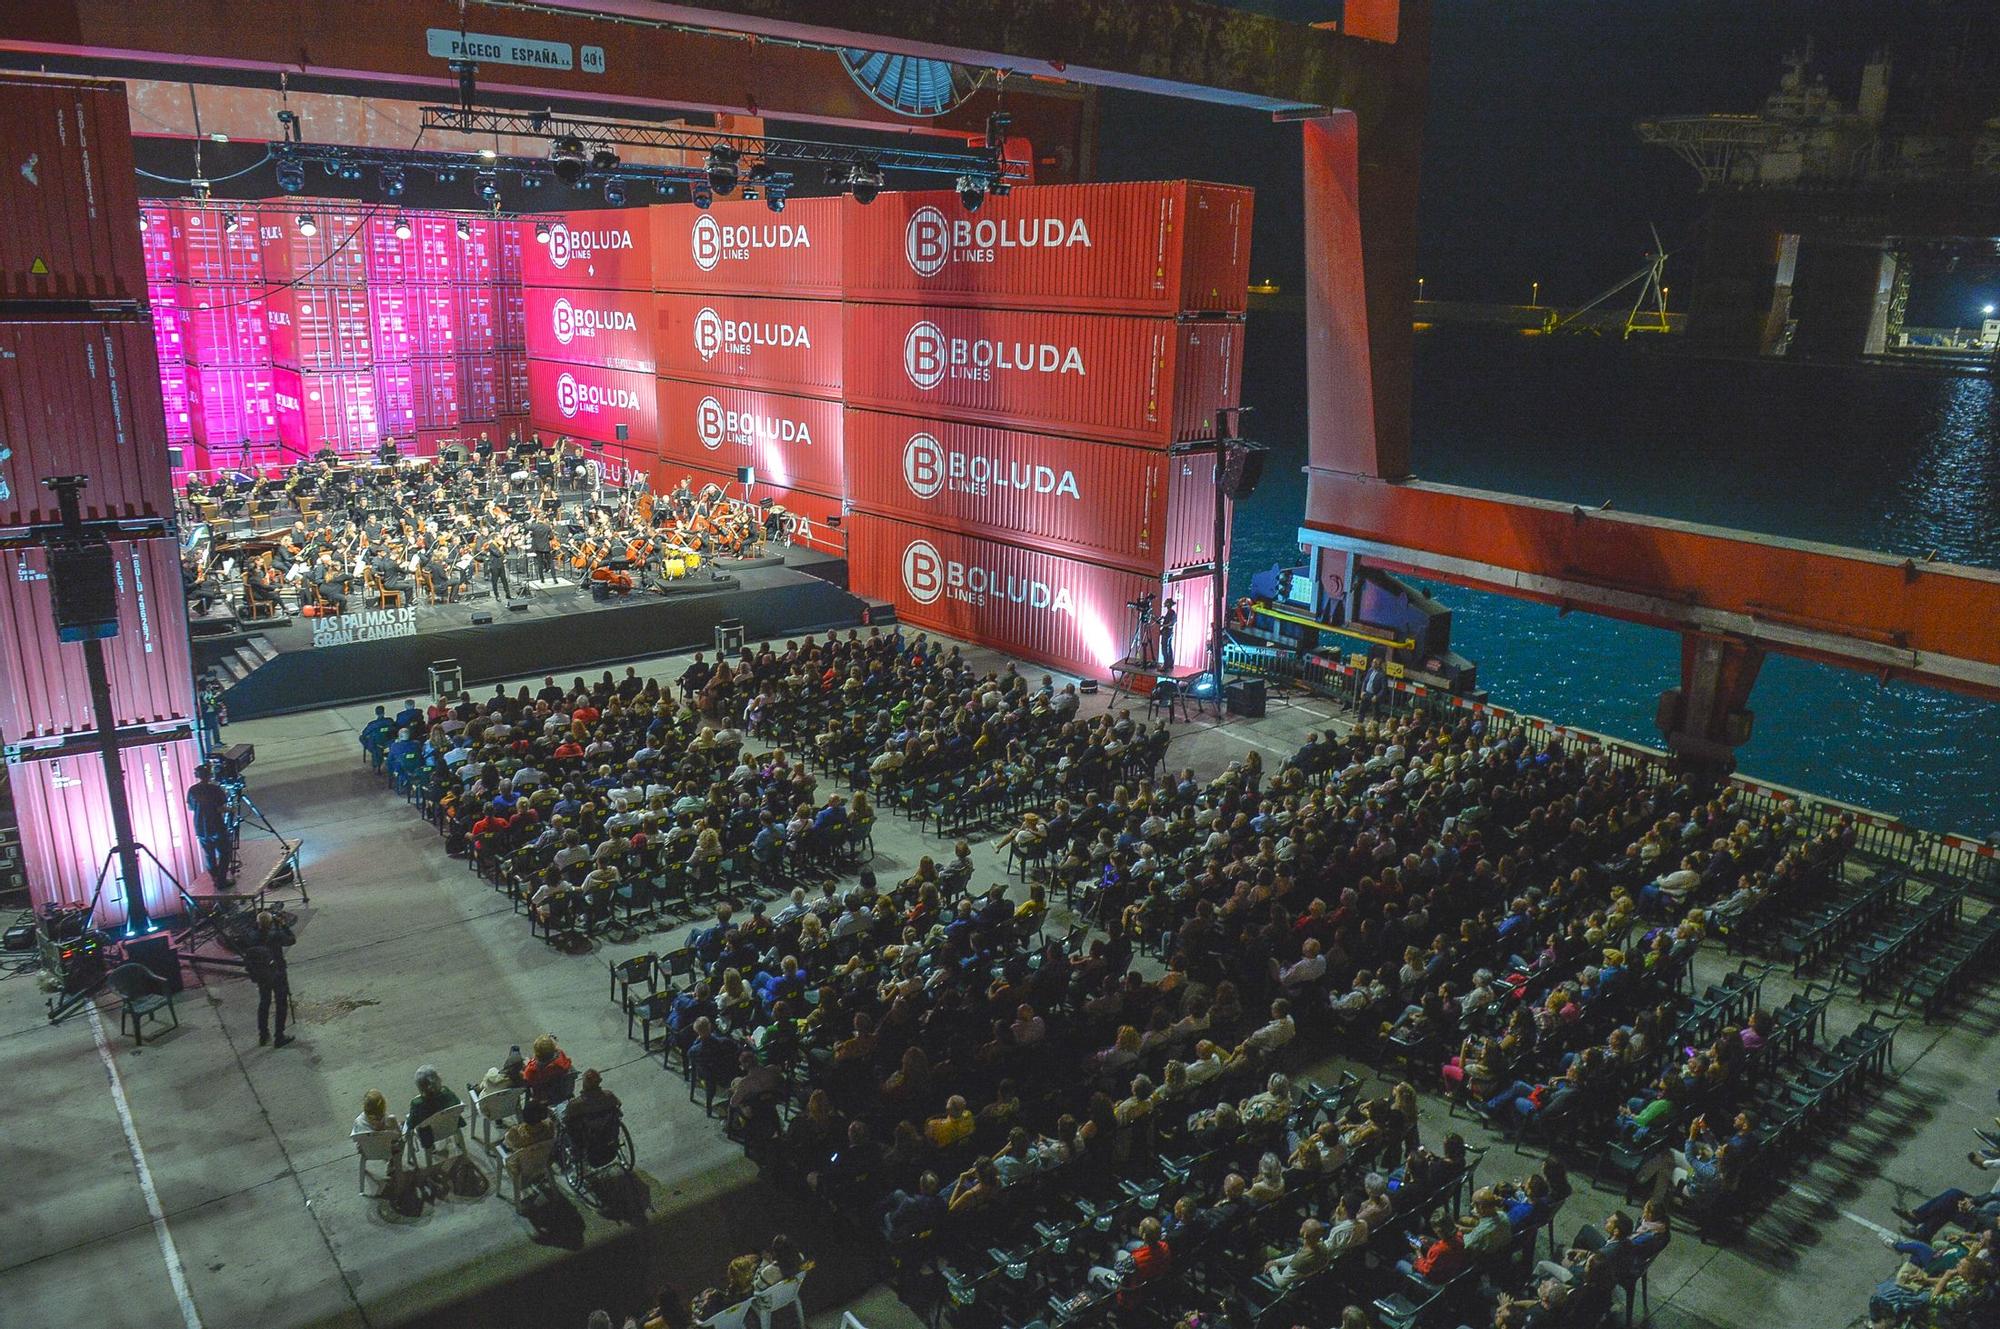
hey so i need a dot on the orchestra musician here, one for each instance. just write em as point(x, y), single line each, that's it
point(496, 569)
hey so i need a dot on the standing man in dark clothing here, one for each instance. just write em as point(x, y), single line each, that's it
point(1170, 617)
point(542, 539)
point(264, 961)
point(208, 805)
point(496, 571)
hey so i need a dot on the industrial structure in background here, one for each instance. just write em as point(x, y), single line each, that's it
point(1824, 211)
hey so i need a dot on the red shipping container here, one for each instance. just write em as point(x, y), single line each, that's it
point(478, 320)
point(589, 402)
point(335, 254)
point(333, 409)
point(513, 384)
point(1152, 381)
point(68, 192)
point(747, 249)
point(224, 325)
point(229, 405)
point(208, 252)
point(609, 249)
point(751, 342)
point(432, 314)
point(453, 248)
point(389, 330)
point(434, 385)
point(1134, 508)
point(66, 828)
point(1040, 606)
point(169, 340)
point(47, 692)
point(510, 236)
point(79, 397)
point(795, 442)
point(156, 245)
point(478, 388)
point(395, 400)
point(1161, 247)
point(174, 399)
point(320, 327)
point(809, 511)
point(513, 318)
point(389, 259)
point(609, 328)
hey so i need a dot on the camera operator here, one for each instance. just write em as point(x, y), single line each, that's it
point(1170, 615)
point(208, 809)
point(264, 961)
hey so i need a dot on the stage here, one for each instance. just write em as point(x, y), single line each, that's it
point(303, 664)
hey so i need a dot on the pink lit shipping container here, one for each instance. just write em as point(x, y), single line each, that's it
point(388, 258)
point(431, 311)
point(224, 325)
point(478, 388)
point(169, 341)
point(79, 397)
point(1040, 606)
point(389, 316)
point(156, 245)
point(326, 409)
point(395, 399)
point(1161, 247)
point(229, 405)
point(320, 327)
point(152, 682)
point(435, 391)
point(513, 383)
point(174, 399)
point(68, 193)
point(809, 511)
point(478, 320)
point(609, 249)
point(745, 248)
point(453, 248)
point(509, 236)
point(1151, 381)
point(752, 342)
point(513, 318)
point(335, 254)
point(794, 442)
point(613, 329)
point(590, 402)
point(66, 827)
point(1135, 508)
point(208, 252)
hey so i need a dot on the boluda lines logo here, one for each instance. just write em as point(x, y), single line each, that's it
point(712, 241)
point(569, 322)
point(574, 398)
point(715, 335)
point(931, 242)
point(714, 425)
point(565, 244)
point(927, 574)
point(930, 357)
point(929, 469)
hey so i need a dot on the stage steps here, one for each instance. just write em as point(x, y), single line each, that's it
point(248, 657)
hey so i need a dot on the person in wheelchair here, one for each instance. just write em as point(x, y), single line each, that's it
point(591, 1121)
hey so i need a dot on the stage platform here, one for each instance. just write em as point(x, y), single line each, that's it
point(303, 664)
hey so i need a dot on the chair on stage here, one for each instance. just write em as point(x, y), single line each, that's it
point(386, 596)
point(253, 608)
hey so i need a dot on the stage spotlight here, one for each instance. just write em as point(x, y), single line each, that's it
point(403, 228)
point(487, 154)
point(531, 181)
point(604, 159)
point(541, 233)
point(488, 186)
point(701, 196)
point(614, 192)
point(230, 222)
point(307, 226)
point(392, 182)
point(971, 192)
point(142, 221)
point(722, 162)
point(464, 229)
point(291, 175)
point(566, 156)
point(864, 181)
point(774, 199)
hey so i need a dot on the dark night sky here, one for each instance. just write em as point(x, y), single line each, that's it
point(1531, 168)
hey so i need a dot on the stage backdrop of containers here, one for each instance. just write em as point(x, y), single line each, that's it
point(1135, 508)
point(607, 250)
point(1166, 247)
point(1041, 605)
point(793, 442)
point(820, 523)
point(611, 329)
point(68, 193)
point(586, 401)
point(746, 249)
point(779, 345)
point(82, 398)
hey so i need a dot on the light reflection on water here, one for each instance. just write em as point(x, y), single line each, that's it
point(1903, 463)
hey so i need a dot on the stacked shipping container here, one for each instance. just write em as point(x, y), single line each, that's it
point(219, 294)
point(587, 329)
point(82, 395)
point(321, 328)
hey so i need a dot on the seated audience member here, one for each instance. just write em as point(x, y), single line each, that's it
point(432, 1098)
point(547, 1073)
point(375, 1114)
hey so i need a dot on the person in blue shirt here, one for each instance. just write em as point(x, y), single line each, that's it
point(399, 754)
point(409, 715)
point(376, 735)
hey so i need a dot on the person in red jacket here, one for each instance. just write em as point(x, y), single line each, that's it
point(548, 1071)
point(1439, 1259)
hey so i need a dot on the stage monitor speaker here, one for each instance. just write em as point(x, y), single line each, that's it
point(84, 586)
point(1245, 697)
point(746, 475)
point(482, 619)
point(157, 953)
point(517, 606)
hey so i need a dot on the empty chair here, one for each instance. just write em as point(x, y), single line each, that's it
point(526, 1167)
point(146, 996)
point(494, 1110)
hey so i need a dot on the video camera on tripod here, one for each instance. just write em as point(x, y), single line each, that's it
point(229, 764)
point(1143, 607)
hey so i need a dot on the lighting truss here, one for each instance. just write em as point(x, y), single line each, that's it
point(988, 162)
point(349, 162)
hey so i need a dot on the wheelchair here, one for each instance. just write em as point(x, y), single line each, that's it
point(586, 1153)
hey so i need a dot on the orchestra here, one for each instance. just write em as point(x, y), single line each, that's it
point(428, 530)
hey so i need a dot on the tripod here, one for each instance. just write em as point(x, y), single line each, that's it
point(1140, 652)
point(287, 870)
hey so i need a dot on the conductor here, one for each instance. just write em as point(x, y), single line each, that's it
point(542, 539)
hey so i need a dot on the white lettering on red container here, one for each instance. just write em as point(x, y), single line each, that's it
point(569, 321)
point(930, 357)
point(929, 469)
point(574, 398)
point(927, 574)
point(715, 335)
point(715, 425)
point(565, 244)
point(931, 242)
point(714, 242)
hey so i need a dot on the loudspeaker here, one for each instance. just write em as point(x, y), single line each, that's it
point(517, 606)
point(481, 620)
point(1245, 697)
point(84, 586)
point(157, 953)
point(623, 432)
point(746, 475)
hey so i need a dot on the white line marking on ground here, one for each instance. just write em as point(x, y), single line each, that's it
point(1255, 743)
point(1849, 1214)
point(176, 1273)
